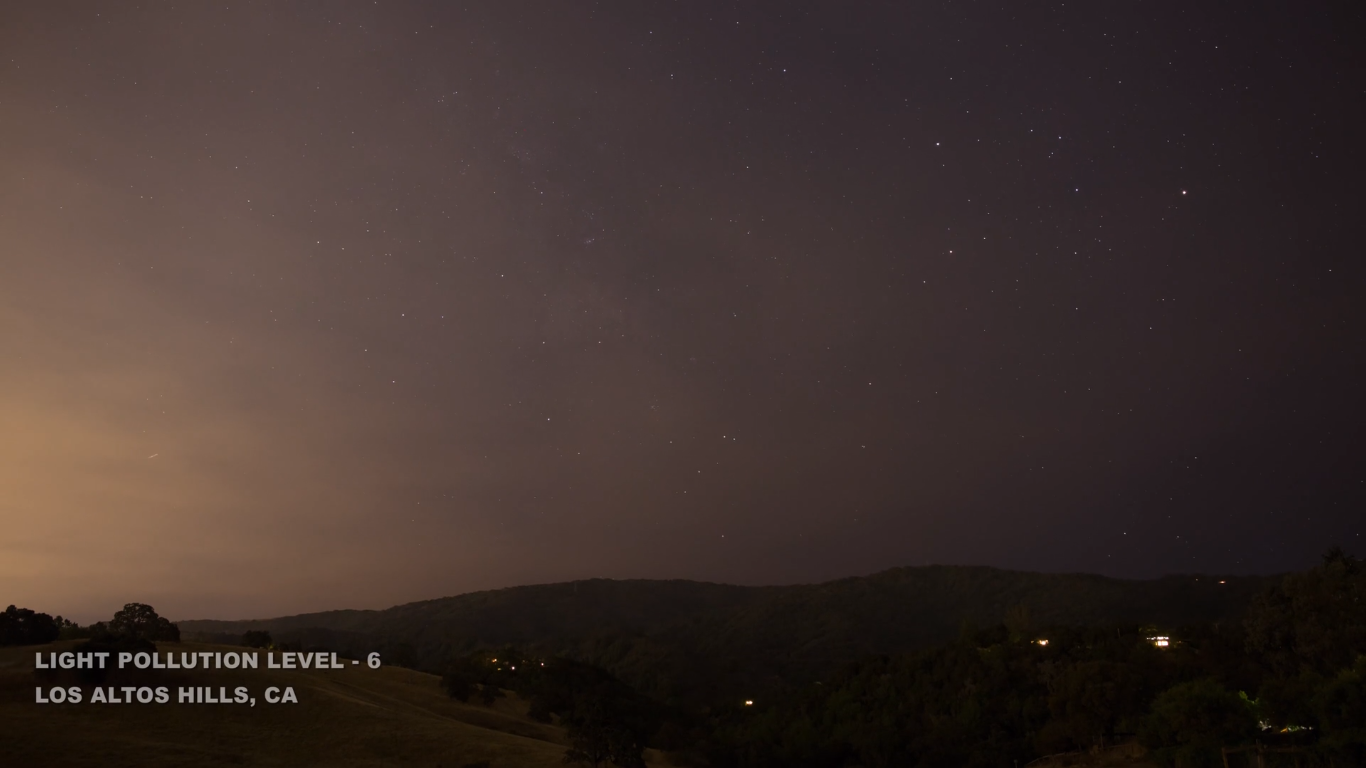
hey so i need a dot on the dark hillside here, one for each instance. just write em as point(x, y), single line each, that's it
point(668, 637)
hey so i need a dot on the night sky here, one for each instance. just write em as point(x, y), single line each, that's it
point(328, 305)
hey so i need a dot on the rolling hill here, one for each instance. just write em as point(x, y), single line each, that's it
point(691, 640)
point(350, 717)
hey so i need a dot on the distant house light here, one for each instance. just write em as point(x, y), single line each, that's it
point(1041, 641)
point(1160, 641)
point(1221, 581)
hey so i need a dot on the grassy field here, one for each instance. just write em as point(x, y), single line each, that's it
point(349, 717)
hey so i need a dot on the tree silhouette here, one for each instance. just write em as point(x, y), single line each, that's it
point(139, 620)
point(22, 626)
point(598, 734)
point(1313, 620)
point(1191, 721)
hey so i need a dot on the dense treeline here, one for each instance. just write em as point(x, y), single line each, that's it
point(134, 622)
point(1290, 675)
point(991, 700)
point(23, 626)
point(135, 627)
point(606, 720)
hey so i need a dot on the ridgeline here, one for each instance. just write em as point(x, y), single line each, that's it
point(687, 641)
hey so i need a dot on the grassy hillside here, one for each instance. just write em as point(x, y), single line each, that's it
point(350, 717)
point(681, 639)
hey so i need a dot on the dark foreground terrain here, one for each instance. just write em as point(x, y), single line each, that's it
point(350, 717)
point(924, 668)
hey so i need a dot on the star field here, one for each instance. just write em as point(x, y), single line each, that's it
point(365, 303)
